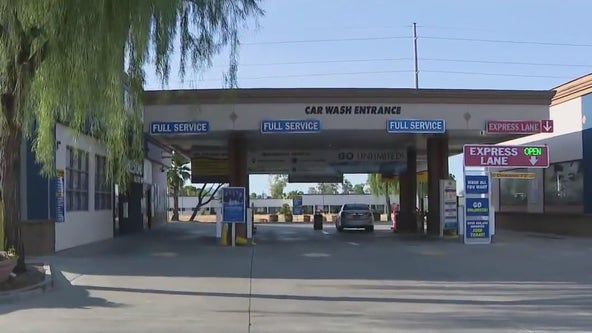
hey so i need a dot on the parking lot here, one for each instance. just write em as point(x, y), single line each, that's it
point(299, 280)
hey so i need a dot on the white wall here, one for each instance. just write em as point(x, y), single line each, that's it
point(81, 227)
point(307, 200)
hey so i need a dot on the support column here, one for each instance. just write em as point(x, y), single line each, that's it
point(437, 148)
point(238, 176)
point(408, 194)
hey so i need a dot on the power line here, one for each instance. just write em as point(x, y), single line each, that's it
point(311, 62)
point(327, 40)
point(390, 72)
point(505, 41)
point(498, 74)
point(506, 62)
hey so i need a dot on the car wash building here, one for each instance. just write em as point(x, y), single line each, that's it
point(317, 135)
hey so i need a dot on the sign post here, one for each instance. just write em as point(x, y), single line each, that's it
point(477, 206)
point(234, 208)
point(297, 205)
point(448, 210)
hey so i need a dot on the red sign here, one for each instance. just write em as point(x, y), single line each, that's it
point(527, 156)
point(518, 126)
point(547, 126)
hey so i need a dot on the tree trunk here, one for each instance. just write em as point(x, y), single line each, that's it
point(10, 148)
point(387, 198)
point(175, 205)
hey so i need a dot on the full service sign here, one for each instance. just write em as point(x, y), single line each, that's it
point(290, 126)
point(433, 126)
point(179, 127)
point(506, 156)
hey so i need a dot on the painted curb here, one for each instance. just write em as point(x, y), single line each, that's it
point(36, 289)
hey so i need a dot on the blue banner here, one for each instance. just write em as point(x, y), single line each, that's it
point(291, 126)
point(476, 184)
point(297, 205)
point(234, 208)
point(433, 126)
point(477, 207)
point(179, 127)
point(477, 229)
point(60, 214)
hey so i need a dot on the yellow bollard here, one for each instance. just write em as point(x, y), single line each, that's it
point(224, 238)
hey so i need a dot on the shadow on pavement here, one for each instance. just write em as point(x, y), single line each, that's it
point(516, 279)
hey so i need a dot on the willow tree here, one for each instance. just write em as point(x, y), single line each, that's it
point(386, 186)
point(69, 61)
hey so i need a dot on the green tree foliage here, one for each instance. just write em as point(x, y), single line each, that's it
point(379, 185)
point(328, 188)
point(359, 189)
point(70, 61)
point(294, 194)
point(277, 186)
point(347, 187)
point(177, 175)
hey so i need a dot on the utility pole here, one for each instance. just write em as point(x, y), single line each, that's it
point(415, 55)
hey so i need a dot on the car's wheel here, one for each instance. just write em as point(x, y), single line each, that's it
point(370, 228)
point(339, 229)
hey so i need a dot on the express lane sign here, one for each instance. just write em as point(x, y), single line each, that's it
point(531, 156)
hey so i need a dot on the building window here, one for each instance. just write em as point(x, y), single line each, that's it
point(102, 186)
point(513, 193)
point(564, 187)
point(76, 180)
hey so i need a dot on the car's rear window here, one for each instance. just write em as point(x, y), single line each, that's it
point(356, 207)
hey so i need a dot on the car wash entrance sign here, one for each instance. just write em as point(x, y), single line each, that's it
point(531, 156)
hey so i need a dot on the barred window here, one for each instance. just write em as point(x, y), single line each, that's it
point(102, 185)
point(76, 179)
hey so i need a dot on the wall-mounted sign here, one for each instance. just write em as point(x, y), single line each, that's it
point(60, 215)
point(425, 126)
point(514, 175)
point(291, 126)
point(179, 127)
point(207, 170)
point(518, 126)
point(532, 156)
point(353, 109)
point(476, 184)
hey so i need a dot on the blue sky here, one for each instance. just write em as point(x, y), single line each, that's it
point(502, 44)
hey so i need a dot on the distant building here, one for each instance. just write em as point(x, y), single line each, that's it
point(330, 203)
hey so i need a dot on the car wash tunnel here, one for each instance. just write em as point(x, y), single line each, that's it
point(318, 135)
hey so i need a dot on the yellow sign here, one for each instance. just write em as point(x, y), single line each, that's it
point(422, 177)
point(513, 175)
point(209, 170)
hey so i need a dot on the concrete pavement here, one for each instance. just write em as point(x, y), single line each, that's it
point(298, 280)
